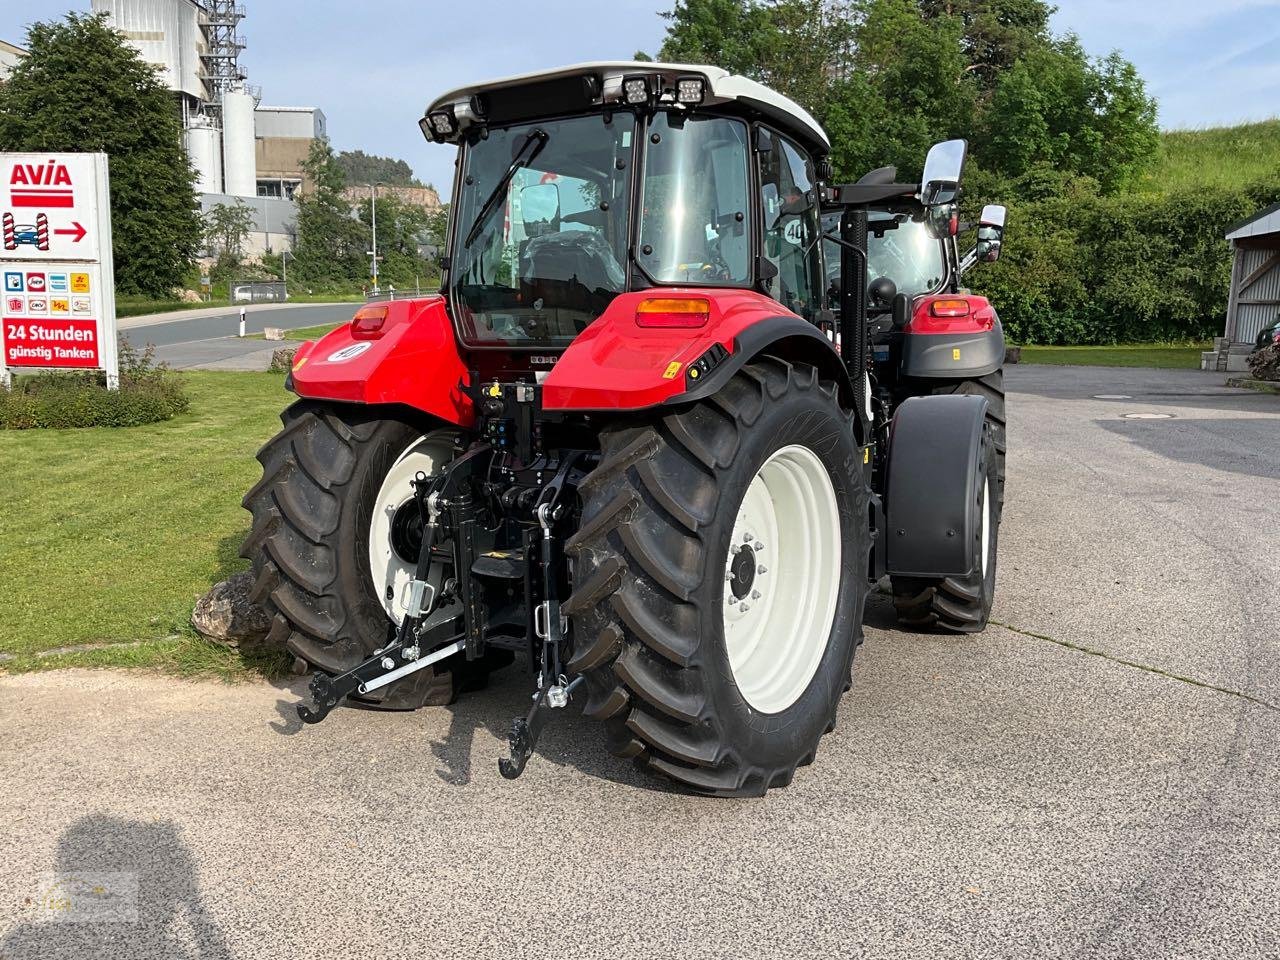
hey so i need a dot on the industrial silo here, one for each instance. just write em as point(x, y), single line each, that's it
point(204, 147)
point(239, 163)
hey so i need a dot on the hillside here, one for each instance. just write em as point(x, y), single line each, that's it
point(1217, 156)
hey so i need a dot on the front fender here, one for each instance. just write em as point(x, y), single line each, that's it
point(615, 364)
point(411, 358)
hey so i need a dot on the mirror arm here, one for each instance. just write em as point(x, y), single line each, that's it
point(967, 262)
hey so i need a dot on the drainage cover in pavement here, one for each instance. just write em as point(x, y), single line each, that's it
point(1148, 416)
point(1112, 396)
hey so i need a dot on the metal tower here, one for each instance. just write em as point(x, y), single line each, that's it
point(222, 59)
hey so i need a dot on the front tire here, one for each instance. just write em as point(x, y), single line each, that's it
point(688, 682)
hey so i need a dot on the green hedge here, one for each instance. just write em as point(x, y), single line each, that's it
point(149, 392)
point(1079, 268)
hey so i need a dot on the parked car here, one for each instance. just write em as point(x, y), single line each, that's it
point(1268, 334)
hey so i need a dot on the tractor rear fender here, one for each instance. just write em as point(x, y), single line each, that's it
point(952, 336)
point(398, 352)
point(930, 499)
point(616, 364)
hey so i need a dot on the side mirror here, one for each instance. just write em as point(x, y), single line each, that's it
point(940, 186)
point(943, 168)
point(539, 204)
point(990, 233)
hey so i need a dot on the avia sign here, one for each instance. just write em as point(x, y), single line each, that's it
point(55, 215)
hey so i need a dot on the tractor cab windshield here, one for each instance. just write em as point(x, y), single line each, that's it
point(546, 216)
point(541, 230)
point(899, 248)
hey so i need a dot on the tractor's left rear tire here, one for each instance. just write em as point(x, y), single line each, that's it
point(720, 575)
point(320, 524)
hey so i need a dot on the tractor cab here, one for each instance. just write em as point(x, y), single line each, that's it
point(602, 179)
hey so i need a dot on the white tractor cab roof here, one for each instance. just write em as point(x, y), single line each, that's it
point(587, 86)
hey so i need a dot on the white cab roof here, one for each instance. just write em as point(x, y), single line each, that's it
point(722, 87)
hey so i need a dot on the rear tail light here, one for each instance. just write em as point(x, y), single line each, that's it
point(673, 312)
point(949, 308)
point(368, 322)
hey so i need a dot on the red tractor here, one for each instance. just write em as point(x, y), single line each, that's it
point(635, 438)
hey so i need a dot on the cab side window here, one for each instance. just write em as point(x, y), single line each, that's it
point(790, 202)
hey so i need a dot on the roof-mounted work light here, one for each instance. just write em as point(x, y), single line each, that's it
point(690, 90)
point(439, 125)
point(636, 90)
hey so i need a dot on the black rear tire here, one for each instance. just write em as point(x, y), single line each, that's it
point(309, 542)
point(958, 604)
point(650, 590)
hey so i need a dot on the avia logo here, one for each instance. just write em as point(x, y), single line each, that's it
point(41, 185)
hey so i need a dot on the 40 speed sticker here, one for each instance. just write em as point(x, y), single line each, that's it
point(348, 352)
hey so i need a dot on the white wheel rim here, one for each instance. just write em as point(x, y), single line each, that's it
point(777, 631)
point(388, 571)
point(986, 524)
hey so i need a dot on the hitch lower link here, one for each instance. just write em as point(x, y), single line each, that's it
point(425, 595)
point(402, 656)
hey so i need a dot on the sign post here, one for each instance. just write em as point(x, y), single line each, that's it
point(59, 306)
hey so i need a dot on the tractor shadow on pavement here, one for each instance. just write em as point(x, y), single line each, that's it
point(118, 887)
point(569, 739)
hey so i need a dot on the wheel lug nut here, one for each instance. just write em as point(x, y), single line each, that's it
point(755, 594)
point(761, 569)
point(759, 546)
point(748, 537)
point(744, 608)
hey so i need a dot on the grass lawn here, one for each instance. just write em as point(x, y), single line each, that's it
point(111, 535)
point(303, 333)
point(129, 307)
point(1217, 156)
point(1162, 355)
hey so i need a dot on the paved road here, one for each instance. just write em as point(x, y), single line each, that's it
point(208, 337)
point(1005, 795)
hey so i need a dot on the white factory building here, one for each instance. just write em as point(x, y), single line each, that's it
point(239, 148)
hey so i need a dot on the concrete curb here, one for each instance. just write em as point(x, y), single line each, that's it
point(1261, 386)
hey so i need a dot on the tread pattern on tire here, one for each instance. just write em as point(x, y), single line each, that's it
point(298, 561)
point(639, 552)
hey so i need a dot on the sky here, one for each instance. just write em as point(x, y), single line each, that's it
point(372, 67)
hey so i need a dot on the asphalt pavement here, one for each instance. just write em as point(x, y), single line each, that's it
point(209, 337)
point(1098, 777)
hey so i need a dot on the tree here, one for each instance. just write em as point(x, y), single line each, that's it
point(402, 226)
point(360, 167)
point(331, 243)
point(887, 78)
point(84, 89)
point(227, 226)
point(996, 33)
point(1057, 107)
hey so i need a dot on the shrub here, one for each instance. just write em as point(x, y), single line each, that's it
point(149, 392)
point(1083, 268)
point(1264, 363)
point(282, 360)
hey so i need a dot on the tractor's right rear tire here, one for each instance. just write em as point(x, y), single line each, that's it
point(721, 571)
